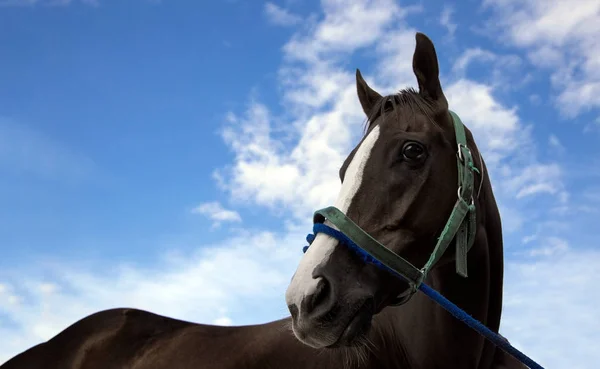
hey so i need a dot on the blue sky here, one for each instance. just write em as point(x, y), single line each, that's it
point(167, 155)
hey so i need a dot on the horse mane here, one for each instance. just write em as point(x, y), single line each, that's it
point(407, 97)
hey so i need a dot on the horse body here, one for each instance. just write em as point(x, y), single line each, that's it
point(137, 339)
point(340, 308)
point(131, 338)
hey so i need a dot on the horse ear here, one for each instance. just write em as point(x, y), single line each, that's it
point(367, 96)
point(426, 69)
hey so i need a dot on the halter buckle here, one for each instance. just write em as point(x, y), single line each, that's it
point(460, 153)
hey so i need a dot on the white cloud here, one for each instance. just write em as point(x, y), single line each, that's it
point(535, 179)
point(345, 27)
point(552, 246)
point(555, 144)
point(505, 142)
point(8, 296)
point(504, 71)
point(280, 16)
point(593, 126)
point(561, 35)
point(470, 55)
point(446, 20)
point(512, 218)
point(496, 128)
point(592, 194)
point(48, 288)
point(551, 299)
point(45, 2)
point(535, 99)
point(242, 279)
point(217, 213)
point(223, 321)
point(394, 66)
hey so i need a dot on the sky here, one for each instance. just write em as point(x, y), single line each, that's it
point(168, 155)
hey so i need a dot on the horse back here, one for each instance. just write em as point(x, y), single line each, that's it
point(107, 339)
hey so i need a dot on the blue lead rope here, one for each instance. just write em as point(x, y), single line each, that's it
point(475, 324)
point(322, 228)
point(457, 312)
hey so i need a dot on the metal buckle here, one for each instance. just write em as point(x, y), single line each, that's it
point(460, 154)
point(458, 193)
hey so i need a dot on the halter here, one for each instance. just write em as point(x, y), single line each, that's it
point(460, 226)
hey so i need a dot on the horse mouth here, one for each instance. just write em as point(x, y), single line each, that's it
point(357, 327)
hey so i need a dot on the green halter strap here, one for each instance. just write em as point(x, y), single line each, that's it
point(457, 226)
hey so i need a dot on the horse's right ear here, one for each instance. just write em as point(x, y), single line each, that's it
point(367, 96)
point(427, 71)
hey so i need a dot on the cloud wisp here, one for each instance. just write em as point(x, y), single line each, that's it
point(279, 16)
point(568, 51)
point(46, 2)
point(217, 213)
point(238, 281)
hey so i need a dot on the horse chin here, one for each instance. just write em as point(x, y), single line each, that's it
point(337, 330)
point(355, 332)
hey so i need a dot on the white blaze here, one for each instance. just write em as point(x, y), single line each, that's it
point(322, 247)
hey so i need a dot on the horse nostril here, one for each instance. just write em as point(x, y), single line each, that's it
point(293, 310)
point(318, 297)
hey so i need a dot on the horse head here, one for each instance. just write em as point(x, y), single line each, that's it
point(399, 185)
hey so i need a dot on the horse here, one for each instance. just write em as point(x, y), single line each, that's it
point(399, 185)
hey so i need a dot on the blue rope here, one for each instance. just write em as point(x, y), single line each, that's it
point(457, 312)
point(461, 315)
point(322, 228)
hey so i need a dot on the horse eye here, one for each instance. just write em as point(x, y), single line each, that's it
point(413, 151)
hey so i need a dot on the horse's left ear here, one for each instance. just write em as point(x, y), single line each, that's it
point(366, 95)
point(427, 71)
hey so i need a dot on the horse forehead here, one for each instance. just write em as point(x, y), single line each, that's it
point(406, 119)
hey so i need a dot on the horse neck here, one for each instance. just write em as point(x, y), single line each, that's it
point(421, 334)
